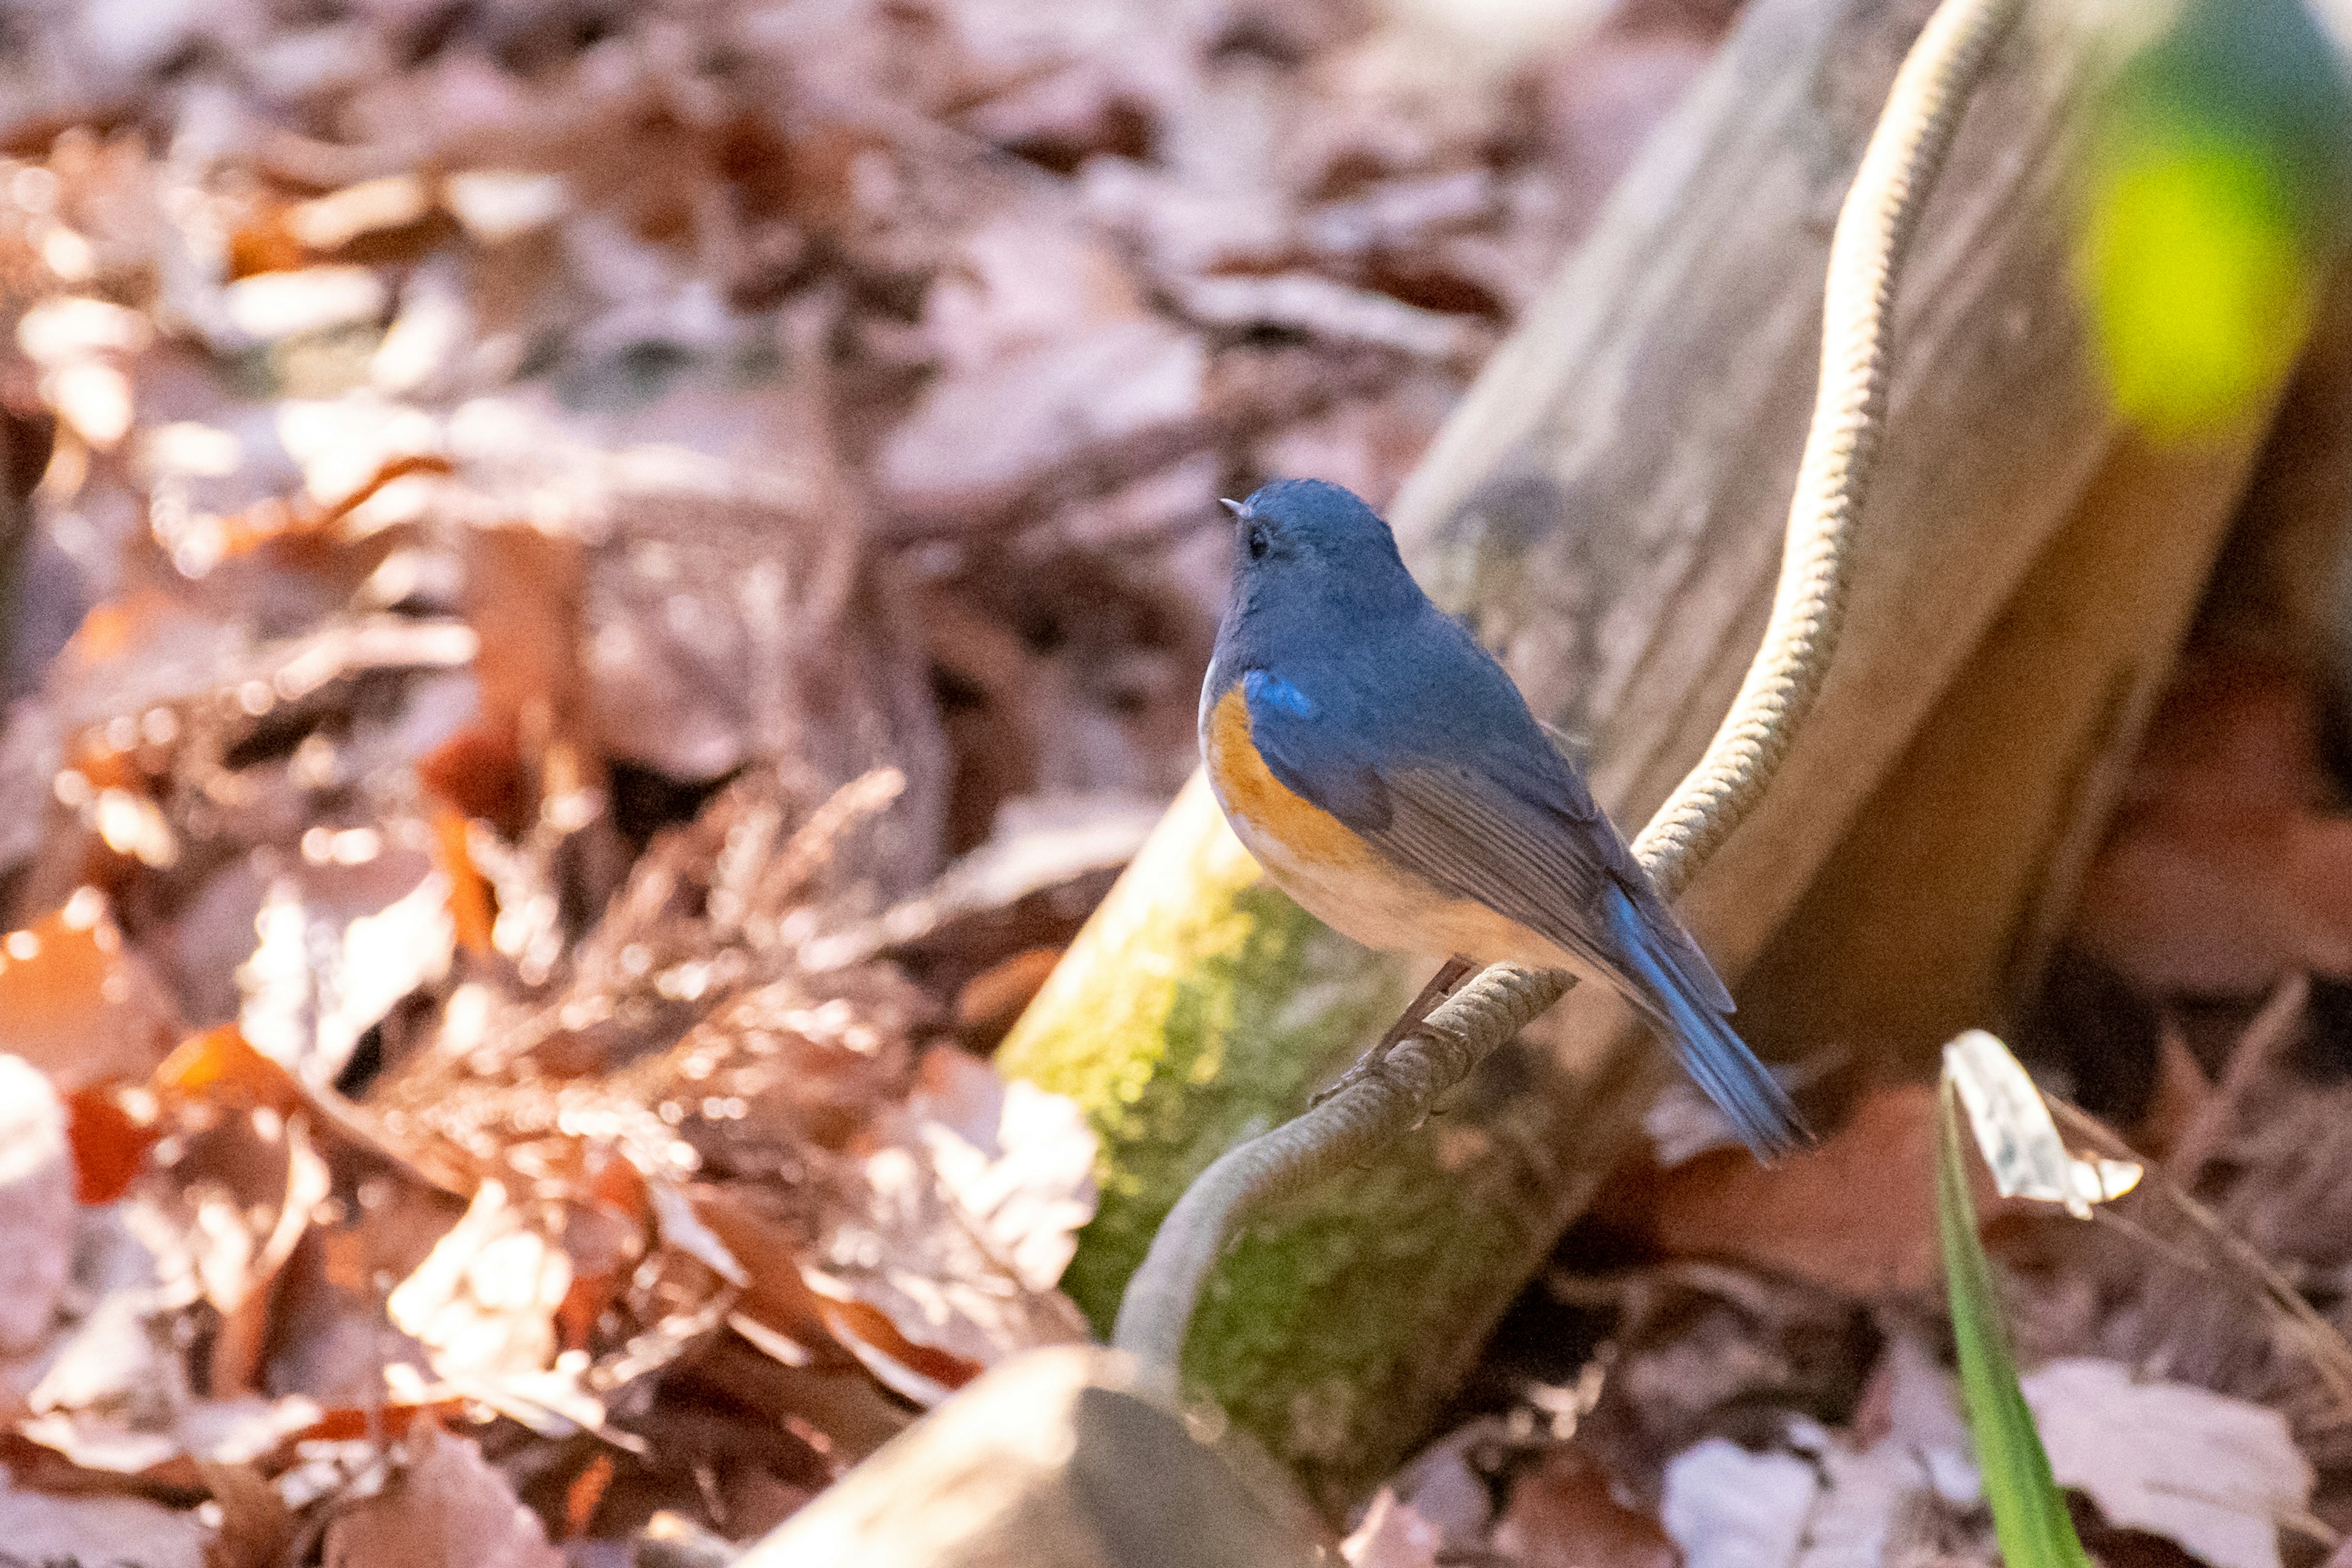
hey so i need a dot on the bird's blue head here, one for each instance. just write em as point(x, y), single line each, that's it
point(1304, 548)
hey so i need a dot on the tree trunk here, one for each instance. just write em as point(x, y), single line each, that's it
point(1606, 509)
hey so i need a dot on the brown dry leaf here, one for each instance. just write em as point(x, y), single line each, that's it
point(134, 1415)
point(2182, 1099)
point(524, 599)
point(977, 444)
point(1563, 1514)
point(2221, 871)
point(256, 1529)
point(1856, 1215)
point(897, 1237)
point(76, 1004)
point(988, 1004)
point(220, 1068)
point(110, 1144)
point(785, 1318)
point(449, 1508)
point(1019, 1161)
point(910, 1280)
point(344, 939)
point(235, 1200)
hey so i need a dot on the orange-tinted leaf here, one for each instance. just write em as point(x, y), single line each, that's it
point(991, 1000)
point(471, 904)
point(1857, 1213)
point(264, 244)
point(479, 772)
point(924, 1374)
point(581, 1498)
point(110, 1145)
point(219, 1067)
point(1564, 1514)
point(114, 630)
point(525, 596)
point(777, 1298)
point(393, 1419)
point(74, 1004)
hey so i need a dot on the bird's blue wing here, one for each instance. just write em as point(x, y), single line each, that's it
point(1314, 750)
point(1574, 882)
point(1521, 835)
point(1741, 1087)
point(1454, 827)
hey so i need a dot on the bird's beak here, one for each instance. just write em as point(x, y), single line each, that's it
point(1239, 509)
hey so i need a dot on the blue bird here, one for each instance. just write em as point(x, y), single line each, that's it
point(1389, 776)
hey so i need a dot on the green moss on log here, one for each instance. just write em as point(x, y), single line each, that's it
point(1198, 1006)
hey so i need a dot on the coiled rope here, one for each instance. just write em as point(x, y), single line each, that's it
point(1873, 236)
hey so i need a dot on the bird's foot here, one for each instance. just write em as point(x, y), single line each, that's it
point(1442, 984)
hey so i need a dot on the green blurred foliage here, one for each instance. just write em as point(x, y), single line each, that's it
point(2219, 181)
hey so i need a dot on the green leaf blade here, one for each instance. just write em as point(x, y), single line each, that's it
point(2028, 1511)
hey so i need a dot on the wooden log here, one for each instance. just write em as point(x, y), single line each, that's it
point(1940, 902)
point(1054, 1460)
point(1606, 509)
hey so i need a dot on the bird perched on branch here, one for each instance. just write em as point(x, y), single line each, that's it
point(1388, 776)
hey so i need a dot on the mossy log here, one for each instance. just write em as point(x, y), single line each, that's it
point(1606, 509)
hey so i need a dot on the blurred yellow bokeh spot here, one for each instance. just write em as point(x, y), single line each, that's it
point(2200, 283)
point(2215, 203)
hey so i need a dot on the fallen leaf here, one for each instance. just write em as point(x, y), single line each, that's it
point(76, 1004)
point(484, 1303)
point(977, 442)
point(111, 1145)
point(99, 1530)
point(1728, 1508)
point(1018, 1159)
point(221, 1067)
point(2222, 869)
point(1855, 1214)
point(36, 1205)
point(1390, 1536)
point(447, 1509)
point(1826, 1505)
point(343, 940)
point(988, 1004)
point(1564, 1514)
point(2215, 1474)
point(256, 1529)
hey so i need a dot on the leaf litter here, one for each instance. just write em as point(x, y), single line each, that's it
point(601, 590)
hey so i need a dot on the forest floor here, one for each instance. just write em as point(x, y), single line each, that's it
point(602, 587)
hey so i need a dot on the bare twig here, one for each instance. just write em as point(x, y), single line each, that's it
point(2323, 1345)
point(2256, 1045)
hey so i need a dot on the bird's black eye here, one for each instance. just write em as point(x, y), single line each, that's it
point(1258, 541)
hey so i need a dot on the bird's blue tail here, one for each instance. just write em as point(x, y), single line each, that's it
point(1693, 1012)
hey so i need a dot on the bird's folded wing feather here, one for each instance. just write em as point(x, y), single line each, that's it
point(1470, 834)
